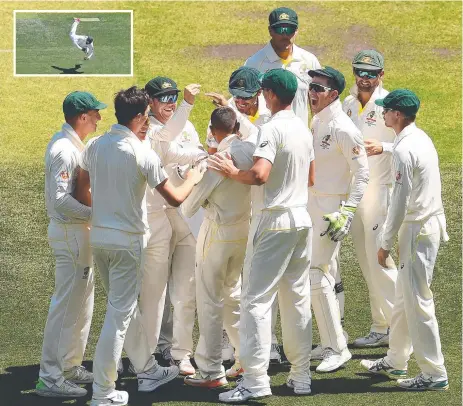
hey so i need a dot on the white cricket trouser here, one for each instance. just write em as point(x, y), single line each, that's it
point(71, 307)
point(367, 224)
point(120, 269)
point(155, 275)
point(414, 325)
point(182, 289)
point(278, 262)
point(77, 39)
point(219, 261)
point(167, 325)
point(322, 272)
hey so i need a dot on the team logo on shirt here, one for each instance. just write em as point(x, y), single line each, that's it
point(402, 265)
point(64, 175)
point(375, 227)
point(263, 144)
point(371, 118)
point(186, 137)
point(398, 177)
point(356, 150)
point(325, 144)
point(349, 112)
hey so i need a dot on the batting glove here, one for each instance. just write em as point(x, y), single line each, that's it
point(340, 222)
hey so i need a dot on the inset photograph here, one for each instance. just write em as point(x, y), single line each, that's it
point(73, 42)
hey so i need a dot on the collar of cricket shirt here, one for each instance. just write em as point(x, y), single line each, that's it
point(226, 142)
point(330, 111)
point(122, 131)
point(72, 135)
point(273, 57)
point(406, 131)
point(283, 114)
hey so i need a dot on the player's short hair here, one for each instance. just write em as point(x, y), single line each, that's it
point(89, 40)
point(224, 119)
point(129, 103)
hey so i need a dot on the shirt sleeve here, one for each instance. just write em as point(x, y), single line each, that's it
point(388, 147)
point(62, 168)
point(200, 193)
point(350, 142)
point(173, 152)
point(175, 125)
point(267, 145)
point(403, 169)
point(153, 170)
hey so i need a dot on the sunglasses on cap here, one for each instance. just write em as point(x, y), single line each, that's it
point(368, 74)
point(281, 30)
point(168, 98)
point(318, 88)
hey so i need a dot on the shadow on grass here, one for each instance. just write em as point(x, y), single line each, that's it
point(69, 71)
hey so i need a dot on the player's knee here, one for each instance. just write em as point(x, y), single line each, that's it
point(320, 282)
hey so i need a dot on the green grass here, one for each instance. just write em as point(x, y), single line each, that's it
point(43, 45)
point(421, 42)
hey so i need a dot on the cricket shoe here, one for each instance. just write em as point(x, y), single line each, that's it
point(241, 394)
point(275, 355)
point(78, 375)
point(372, 340)
point(235, 371)
point(184, 366)
point(132, 369)
point(166, 355)
point(300, 388)
point(120, 366)
point(156, 376)
point(420, 383)
point(228, 352)
point(198, 381)
point(66, 390)
point(333, 360)
point(77, 19)
point(116, 397)
point(317, 353)
point(381, 367)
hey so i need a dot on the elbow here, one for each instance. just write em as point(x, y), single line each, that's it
point(173, 201)
point(260, 179)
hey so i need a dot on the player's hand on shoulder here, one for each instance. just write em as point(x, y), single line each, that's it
point(190, 92)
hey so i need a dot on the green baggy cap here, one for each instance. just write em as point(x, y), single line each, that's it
point(244, 82)
point(281, 81)
point(80, 102)
point(282, 15)
point(368, 59)
point(403, 100)
point(161, 85)
point(337, 77)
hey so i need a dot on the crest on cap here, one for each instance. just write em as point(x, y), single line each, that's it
point(283, 16)
point(366, 59)
point(240, 83)
point(166, 85)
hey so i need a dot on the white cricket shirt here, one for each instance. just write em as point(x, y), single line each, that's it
point(62, 159)
point(298, 63)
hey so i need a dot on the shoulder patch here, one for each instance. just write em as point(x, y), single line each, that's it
point(263, 144)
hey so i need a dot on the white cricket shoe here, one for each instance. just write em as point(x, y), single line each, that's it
point(332, 360)
point(420, 383)
point(78, 375)
point(197, 380)
point(116, 397)
point(275, 356)
point(235, 371)
point(241, 394)
point(156, 376)
point(381, 367)
point(66, 390)
point(184, 366)
point(300, 388)
point(317, 353)
point(372, 340)
point(228, 352)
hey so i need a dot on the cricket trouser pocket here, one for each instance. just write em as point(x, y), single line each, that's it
point(71, 306)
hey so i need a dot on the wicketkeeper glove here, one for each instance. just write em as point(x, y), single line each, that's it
point(340, 222)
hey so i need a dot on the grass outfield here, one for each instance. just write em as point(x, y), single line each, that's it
point(203, 43)
point(43, 45)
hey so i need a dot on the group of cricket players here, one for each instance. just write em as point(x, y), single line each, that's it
point(248, 226)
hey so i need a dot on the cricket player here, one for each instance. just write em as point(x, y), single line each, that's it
point(282, 52)
point(341, 177)
point(279, 261)
point(170, 255)
point(416, 215)
point(119, 167)
point(249, 103)
point(71, 307)
point(368, 68)
point(83, 42)
point(220, 251)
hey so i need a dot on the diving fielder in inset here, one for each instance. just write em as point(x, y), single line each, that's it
point(83, 42)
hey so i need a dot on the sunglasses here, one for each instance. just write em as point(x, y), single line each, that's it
point(368, 74)
point(245, 98)
point(318, 88)
point(168, 98)
point(385, 110)
point(284, 30)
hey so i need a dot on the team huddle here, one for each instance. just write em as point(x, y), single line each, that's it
point(249, 227)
